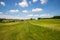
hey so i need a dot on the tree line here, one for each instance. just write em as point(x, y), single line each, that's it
point(14, 20)
point(54, 17)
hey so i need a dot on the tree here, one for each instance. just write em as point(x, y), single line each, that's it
point(31, 18)
point(39, 18)
point(1, 20)
point(56, 17)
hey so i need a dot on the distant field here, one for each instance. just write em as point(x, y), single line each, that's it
point(44, 29)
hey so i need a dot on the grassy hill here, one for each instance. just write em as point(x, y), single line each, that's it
point(44, 29)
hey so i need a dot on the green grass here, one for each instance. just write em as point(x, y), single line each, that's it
point(28, 30)
point(50, 23)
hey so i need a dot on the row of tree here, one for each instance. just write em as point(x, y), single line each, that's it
point(7, 20)
point(55, 17)
point(14, 20)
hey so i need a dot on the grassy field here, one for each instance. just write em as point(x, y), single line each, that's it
point(50, 23)
point(44, 29)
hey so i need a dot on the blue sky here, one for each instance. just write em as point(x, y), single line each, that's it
point(24, 9)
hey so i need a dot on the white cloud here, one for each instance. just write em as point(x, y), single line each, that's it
point(37, 10)
point(2, 3)
point(25, 11)
point(13, 11)
point(36, 15)
point(46, 15)
point(23, 3)
point(10, 17)
point(27, 17)
point(1, 13)
point(34, 0)
point(43, 1)
point(15, 17)
point(30, 15)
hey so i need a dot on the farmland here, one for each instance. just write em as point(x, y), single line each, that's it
point(43, 29)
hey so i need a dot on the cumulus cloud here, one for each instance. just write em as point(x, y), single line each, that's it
point(46, 15)
point(13, 11)
point(23, 3)
point(25, 11)
point(2, 3)
point(34, 0)
point(37, 10)
point(43, 1)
